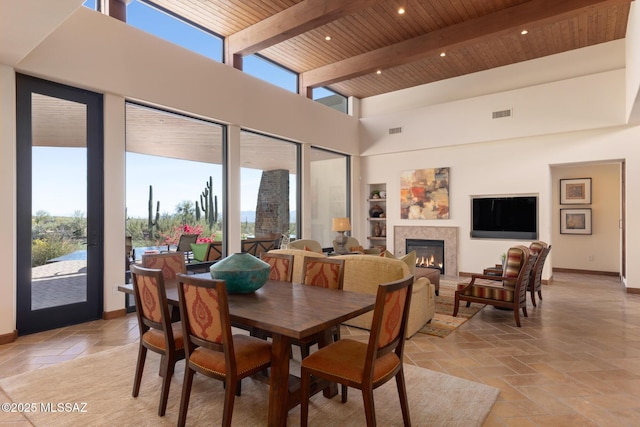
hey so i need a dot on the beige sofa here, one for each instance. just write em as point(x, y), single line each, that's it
point(363, 273)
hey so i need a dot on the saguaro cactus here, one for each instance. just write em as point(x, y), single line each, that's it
point(151, 223)
point(209, 204)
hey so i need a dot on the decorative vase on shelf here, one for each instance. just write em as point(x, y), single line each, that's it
point(242, 272)
point(377, 231)
point(376, 211)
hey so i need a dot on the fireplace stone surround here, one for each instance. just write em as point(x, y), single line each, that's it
point(448, 234)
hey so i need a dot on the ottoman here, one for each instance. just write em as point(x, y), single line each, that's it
point(433, 274)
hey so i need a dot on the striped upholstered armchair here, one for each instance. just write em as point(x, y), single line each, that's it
point(541, 250)
point(508, 290)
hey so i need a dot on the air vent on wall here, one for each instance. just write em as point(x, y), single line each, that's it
point(502, 113)
point(393, 131)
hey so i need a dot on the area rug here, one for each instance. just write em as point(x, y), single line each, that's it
point(103, 381)
point(443, 323)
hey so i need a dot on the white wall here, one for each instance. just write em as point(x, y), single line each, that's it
point(8, 194)
point(600, 251)
point(505, 167)
point(632, 41)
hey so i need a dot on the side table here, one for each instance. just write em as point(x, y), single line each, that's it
point(493, 271)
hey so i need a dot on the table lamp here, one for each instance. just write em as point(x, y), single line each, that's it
point(340, 225)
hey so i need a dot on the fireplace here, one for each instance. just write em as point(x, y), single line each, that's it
point(448, 234)
point(429, 253)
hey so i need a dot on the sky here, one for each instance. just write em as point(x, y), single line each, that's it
point(58, 172)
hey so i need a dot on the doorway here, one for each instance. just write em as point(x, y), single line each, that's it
point(60, 213)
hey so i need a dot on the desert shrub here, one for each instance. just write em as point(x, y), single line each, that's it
point(43, 250)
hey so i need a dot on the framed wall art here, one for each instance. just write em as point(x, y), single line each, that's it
point(575, 191)
point(424, 194)
point(575, 221)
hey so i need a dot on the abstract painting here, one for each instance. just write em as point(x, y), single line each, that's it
point(424, 194)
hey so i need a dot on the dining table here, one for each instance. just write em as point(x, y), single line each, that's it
point(288, 311)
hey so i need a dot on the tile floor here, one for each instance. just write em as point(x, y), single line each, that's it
point(574, 362)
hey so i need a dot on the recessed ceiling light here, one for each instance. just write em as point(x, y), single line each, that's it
point(379, 72)
point(523, 32)
point(401, 11)
point(327, 38)
point(443, 54)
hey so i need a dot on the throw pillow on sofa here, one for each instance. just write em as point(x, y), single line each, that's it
point(409, 259)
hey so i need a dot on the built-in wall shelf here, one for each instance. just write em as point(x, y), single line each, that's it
point(377, 200)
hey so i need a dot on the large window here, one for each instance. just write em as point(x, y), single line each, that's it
point(329, 192)
point(174, 178)
point(269, 182)
point(270, 72)
point(173, 29)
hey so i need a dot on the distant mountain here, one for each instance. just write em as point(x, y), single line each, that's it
point(250, 216)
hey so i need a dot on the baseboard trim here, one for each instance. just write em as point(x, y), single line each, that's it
point(8, 338)
point(594, 272)
point(109, 315)
point(633, 290)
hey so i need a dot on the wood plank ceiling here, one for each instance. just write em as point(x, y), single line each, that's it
point(370, 35)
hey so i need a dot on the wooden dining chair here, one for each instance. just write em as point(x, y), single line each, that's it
point(281, 266)
point(210, 347)
point(366, 366)
point(325, 273)
point(157, 333)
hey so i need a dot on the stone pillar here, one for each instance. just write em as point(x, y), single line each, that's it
point(272, 209)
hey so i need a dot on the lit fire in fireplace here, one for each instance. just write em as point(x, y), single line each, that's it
point(428, 262)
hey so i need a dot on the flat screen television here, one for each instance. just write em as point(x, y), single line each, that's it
point(504, 217)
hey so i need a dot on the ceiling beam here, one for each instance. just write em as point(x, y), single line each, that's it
point(460, 35)
point(295, 20)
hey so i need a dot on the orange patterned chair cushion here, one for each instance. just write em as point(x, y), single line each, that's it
point(203, 312)
point(155, 337)
point(346, 360)
point(250, 352)
point(149, 295)
point(280, 268)
point(322, 274)
point(170, 264)
point(392, 316)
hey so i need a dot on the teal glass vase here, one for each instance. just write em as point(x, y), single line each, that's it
point(242, 272)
